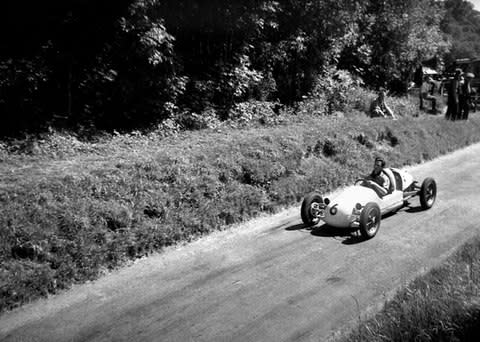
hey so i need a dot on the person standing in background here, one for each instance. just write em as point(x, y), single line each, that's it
point(426, 93)
point(454, 91)
point(466, 96)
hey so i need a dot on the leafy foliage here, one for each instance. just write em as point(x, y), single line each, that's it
point(462, 24)
point(396, 37)
point(132, 64)
point(83, 64)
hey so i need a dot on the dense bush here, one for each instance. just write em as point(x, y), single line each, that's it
point(132, 64)
point(337, 91)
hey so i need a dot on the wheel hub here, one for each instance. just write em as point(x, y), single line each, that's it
point(317, 210)
point(372, 222)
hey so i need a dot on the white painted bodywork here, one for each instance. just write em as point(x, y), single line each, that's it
point(345, 201)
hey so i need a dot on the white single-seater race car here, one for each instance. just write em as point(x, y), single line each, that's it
point(359, 206)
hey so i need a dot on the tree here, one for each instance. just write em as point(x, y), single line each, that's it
point(122, 64)
point(396, 37)
point(462, 24)
point(81, 62)
point(309, 36)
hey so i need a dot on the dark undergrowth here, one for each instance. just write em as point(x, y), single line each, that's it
point(71, 210)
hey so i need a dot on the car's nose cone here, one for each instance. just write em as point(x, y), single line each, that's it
point(339, 212)
point(338, 215)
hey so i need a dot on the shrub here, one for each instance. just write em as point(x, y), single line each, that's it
point(191, 121)
point(336, 87)
point(359, 99)
point(253, 111)
point(338, 93)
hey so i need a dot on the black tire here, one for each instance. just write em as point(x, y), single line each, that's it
point(370, 220)
point(428, 193)
point(308, 215)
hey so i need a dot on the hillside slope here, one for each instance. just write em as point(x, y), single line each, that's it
point(68, 217)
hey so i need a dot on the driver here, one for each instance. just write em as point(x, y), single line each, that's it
point(378, 179)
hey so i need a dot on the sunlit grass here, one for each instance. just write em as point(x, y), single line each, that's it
point(71, 209)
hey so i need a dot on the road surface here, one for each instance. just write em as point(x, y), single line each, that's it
point(267, 280)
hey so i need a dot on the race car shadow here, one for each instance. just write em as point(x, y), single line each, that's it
point(414, 209)
point(349, 236)
point(296, 227)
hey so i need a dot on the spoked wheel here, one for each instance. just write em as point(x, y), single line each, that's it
point(370, 220)
point(428, 193)
point(312, 210)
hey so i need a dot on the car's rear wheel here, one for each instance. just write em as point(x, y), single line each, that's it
point(370, 220)
point(428, 193)
point(311, 210)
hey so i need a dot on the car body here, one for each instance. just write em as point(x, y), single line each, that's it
point(360, 206)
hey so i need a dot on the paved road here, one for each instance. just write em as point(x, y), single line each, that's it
point(268, 280)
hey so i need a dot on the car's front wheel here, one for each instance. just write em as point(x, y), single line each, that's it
point(370, 220)
point(311, 210)
point(428, 193)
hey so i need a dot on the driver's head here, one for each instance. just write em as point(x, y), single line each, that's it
point(378, 165)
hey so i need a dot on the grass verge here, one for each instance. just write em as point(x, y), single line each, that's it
point(70, 210)
point(443, 305)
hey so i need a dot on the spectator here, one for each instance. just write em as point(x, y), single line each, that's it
point(466, 96)
point(426, 93)
point(379, 108)
point(454, 91)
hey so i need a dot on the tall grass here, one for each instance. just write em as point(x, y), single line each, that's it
point(70, 209)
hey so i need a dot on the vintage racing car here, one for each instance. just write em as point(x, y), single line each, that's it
point(359, 206)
